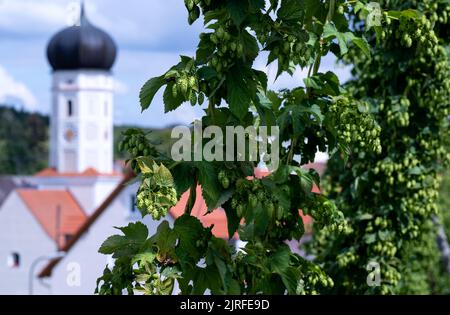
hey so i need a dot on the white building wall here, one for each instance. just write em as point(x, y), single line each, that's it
point(79, 270)
point(90, 197)
point(91, 121)
point(21, 233)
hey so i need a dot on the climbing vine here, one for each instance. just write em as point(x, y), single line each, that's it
point(264, 212)
point(391, 198)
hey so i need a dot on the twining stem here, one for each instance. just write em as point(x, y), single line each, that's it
point(313, 70)
point(211, 110)
point(331, 10)
point(291, 151)
point(192, 196)
point(317, 62)
point(174, 165)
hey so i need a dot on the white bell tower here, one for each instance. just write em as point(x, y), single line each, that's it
point(82, 99)
point(82, 121)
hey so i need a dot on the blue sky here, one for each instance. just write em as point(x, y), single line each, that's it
point(150, 34)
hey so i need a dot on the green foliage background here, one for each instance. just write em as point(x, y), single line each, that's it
point(23, 141)
point(391, 198)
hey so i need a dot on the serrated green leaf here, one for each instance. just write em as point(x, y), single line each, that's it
point(291, 10)
point(211, 188)
point(262, 78)
point(144, 258)
point(164, 239)
point(135, 235)
point(370, 238)
point(189, 230)
point(362, 44)
point(136, 232)
point(232, 221)
point(149, 90)
point(329, 31)
point(183, 177)
point(171, 102)
point(237, 9)
point(163, 176)
point(238, 95)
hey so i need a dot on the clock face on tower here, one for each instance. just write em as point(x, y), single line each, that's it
point(70, 133)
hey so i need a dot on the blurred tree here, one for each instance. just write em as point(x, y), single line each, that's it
point(23, 141)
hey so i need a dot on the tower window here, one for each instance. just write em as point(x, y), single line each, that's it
point(133, 204)
point(14, 260)
point(106, 108)
point(69, 108)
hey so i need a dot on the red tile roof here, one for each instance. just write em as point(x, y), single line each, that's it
point(89, 172)
point(47, 271)
point(44, 205)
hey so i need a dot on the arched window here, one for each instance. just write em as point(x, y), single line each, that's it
point(14, 260)
point(69, 108)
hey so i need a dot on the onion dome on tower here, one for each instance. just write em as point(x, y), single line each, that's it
point(81, 47)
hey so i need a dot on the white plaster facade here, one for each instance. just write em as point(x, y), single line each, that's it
point(22, 234)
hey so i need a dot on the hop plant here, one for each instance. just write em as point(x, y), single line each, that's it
point(136, 143)
point(355, 125)
point(156, 195)
point(184, 85)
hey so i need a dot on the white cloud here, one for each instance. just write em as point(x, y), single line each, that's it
point(32, 17)
point(158, 24)
point(10, 88)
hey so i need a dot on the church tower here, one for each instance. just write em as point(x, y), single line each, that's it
point(81, 122)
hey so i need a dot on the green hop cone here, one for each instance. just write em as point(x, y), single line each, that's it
point(192, 82)
point(240, 50)
point(201, 98)
point(194, 15)
point(189, 4)
point(220, 33)
point(240, 210)
point(221, 175)
point(175, 90)
point(225, 183)
point(279, 212)
point(270, 209)
point(253, 200)
point(183, 83)
point(193, 98)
